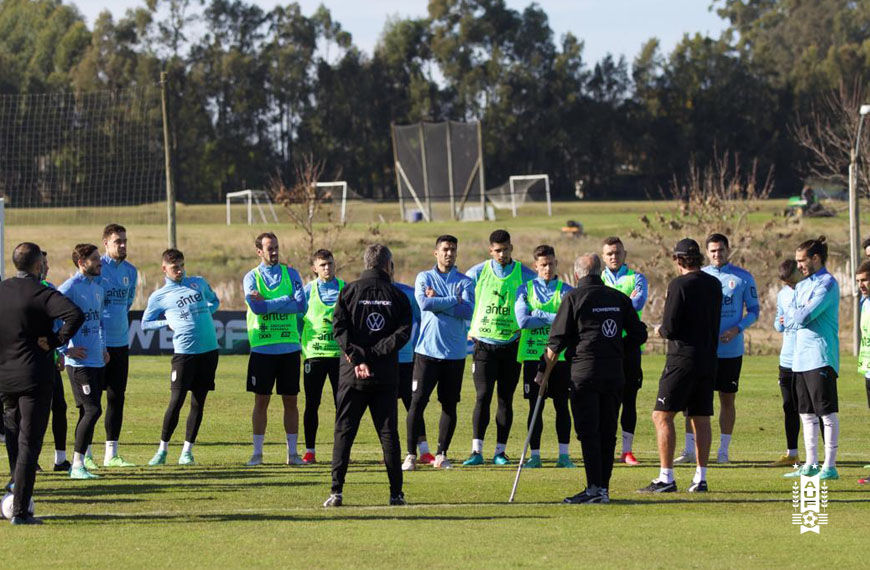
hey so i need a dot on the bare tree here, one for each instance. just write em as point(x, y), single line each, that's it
point(828, 134)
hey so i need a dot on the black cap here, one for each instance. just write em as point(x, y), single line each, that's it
point(687, 246)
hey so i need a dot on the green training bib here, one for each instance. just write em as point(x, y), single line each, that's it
point(272, 328)
point(864, 353)
point(493, 316)
point(533, 342)
point(317, 337)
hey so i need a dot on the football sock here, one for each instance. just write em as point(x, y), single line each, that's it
point(292, 439)
point(424, 447)
point(627, 440)
point(258, 444)
point(690, 444)
point(59, 456)
point(666, 475)
point(78, 460)
point(724, 442)
point(536, 452)
point(111, 449)
point(164, 446)
point(500, 447)
point(811, 437)
point(792, 453)
point(700, 474)
point(477, 446)
point(89, 452)
point(563, 449)
point(832, 433)
point(309, 450)
point(188, 447)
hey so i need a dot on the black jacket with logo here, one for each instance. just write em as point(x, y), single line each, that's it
point(371, 322)
point(589, 327)
point(28, 310)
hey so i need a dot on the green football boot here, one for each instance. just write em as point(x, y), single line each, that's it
point(474, 459)
point(828, 473)
point(81, 473)
point(807, 470)
point(501, 459)
point(117, 461)
point(534, 462)
point(186, 458)
point(158, 459)
point(565, 462)
point(90, 464)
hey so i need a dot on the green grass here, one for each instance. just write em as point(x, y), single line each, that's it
point(220, 513)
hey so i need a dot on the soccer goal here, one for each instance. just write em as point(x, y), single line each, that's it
point(2, 237)
point(518, 190)
point(341, 186)
point(259, 198)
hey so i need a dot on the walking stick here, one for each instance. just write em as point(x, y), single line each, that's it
point(535, 413)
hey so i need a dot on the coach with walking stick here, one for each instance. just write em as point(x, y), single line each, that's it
point(29, 310)
point(589, 328)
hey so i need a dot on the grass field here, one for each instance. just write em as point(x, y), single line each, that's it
point(222, 514)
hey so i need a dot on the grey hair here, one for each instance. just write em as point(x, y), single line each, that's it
point(587, 264)
point(377, 256)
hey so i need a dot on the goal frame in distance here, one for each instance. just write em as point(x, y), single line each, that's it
point(252, 197)
point(343, 185)
point(545, 177)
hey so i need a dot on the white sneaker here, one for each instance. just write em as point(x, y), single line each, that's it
point(410, 463)
point(294, 459)
point(722, 456)
point(256, 459)
point(441, 462)
point(685, 457)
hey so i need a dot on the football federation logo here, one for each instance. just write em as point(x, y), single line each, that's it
point(608, 328)
point(375, 322)
point(732, 284)
point(809, 504)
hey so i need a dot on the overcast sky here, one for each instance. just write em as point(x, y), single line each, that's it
point(619, 27)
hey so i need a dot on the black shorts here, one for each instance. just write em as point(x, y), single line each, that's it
point(194, 371)
point(446, 374)
point(278, 370)
point(493, 363)
point(728, 375)
point(557, 385)
point(117, 368)
point(686, 386)
point(86, 383)
point(406, 373)
point(816, 391)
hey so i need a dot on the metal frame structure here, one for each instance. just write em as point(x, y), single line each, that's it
point(2, 237)
point(252, 196)
point(343, 185)
point(545, 177)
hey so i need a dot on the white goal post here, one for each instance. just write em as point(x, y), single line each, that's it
point(338, 184)
point(513, 179)
point(258, 197)
point(2, 237)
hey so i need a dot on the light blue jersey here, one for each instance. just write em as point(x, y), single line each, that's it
point(785, 311)
point(119, 282)
point(543, 291)
point(185, 307)
point(641, 286)
point(816, 316)
point(297, 304)
point(738, 291)
point(444, 319)
point(500, 272)
point(87, 293)
point(406, 353)
point(328, 290)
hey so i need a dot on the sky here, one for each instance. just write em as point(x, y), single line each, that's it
point(618, 27)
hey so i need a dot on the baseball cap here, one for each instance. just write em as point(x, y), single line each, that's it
point(687, 246)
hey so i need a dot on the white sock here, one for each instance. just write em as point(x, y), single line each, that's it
point(292, 439)
point(536, 452)
point(724, 442)
point(792, 452)
point(666, 475)
point(563, 449)
point(832, 434)
point(89, 452)
point(59, 456)
point(627, 440)
point(700, 474)
point(811, 437)
point(163, 446)
point(258, 444)
point(424, 447)
point(500, 447)
point(690, 444)
point(78, 460)
point(309, 450)
point(188, 447)
point(477, 446)
point(111, 449)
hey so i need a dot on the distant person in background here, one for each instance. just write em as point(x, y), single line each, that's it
point(29, 310)
point(618, 275)
point(865, 245)
point(784, 323)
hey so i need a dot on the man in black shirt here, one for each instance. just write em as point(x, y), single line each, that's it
point(371, 322)
point(589, 328)
point(29, 310)
point(691, 326)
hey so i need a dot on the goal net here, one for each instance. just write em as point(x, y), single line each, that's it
point(250, 206)
point(520, 190)
point(86, 158)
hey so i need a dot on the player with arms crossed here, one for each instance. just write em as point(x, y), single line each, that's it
point(784, 323)
point(185, 305)
point(274, 296)
point(495, 332)
point(537, 303)
point(446, 300)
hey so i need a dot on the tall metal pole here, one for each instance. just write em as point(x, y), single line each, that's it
point(170, 190)
point(425, 172)
point(396, 168)
point(2, 237)
point(453, 214)
point(480, 170)
point(853, 252)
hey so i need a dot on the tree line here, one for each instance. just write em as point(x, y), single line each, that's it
point(251, 92)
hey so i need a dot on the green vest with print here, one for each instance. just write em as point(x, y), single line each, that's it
point(533, 342)
point(494, 298)
point(272, 328)
point(318, 340)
